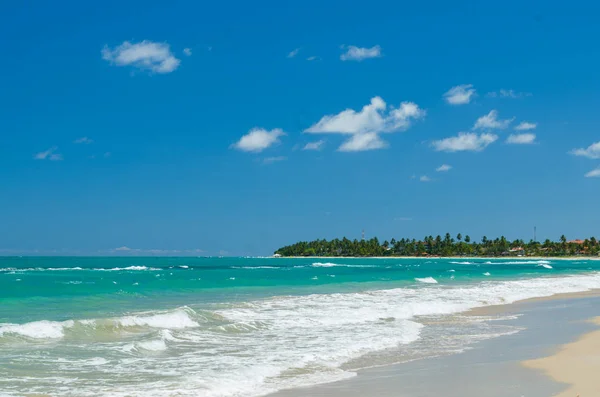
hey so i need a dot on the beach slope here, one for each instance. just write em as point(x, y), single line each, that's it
point(576, 364)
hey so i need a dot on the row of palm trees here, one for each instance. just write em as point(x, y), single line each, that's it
point(442, 246)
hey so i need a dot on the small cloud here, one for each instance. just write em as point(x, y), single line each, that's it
point(593, 173)
point(354, 53)
point(363, 142)
point(83, 140)
point(460, 95)
point(592, 151)
point(443, 168)
point(521, 139)
point(313, 58)
point(425, 178)
point(209, 48)
point(374, 117)
point(317, 145)
point(293, 53)
point(49, 155)
point(271, 160)
point(490, 121)
point(107, 154)
point(507, 94)
point(145, 55)
point(525, 126)
point(123, 248)
point(258, 139)
point(465, 141)
point(403, 219)
point(187, 51)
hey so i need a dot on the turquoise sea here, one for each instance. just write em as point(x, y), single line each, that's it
point(246, 326)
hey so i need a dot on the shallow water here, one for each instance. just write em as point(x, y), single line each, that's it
point(246, 326)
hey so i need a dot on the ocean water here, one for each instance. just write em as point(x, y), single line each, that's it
point(223, 327)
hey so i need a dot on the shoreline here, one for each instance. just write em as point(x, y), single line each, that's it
point(576, 364)
point(536, 258)
point(539, 371)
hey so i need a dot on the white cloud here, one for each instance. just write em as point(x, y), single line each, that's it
point(107, 154)
point(145, 55)
point(507, 94)
point(443, 168)
point(593, 173)
point(371, 118)
point(49, 155)
point(354, 53)
point(271, 160)
point(521, 139)
point(313, 58)
point(317, 145)
point(187, 51)
point(526, 126)
point(123, 248)
point(362, 142)
point(293, 53)
point(460, 95)
point(367, 123)
point(84, 139)
point(490, 121)
point(258, 139)
point(425, 178)
point(465, 141)
point(592, 151)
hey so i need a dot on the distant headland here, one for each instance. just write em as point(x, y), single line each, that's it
point(447, 246)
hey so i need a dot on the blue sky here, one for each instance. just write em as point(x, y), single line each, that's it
point(182, 129)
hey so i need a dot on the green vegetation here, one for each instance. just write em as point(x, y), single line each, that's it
point(442, 246)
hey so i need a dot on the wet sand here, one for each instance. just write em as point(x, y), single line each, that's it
point(576, 364)
point(494, 368)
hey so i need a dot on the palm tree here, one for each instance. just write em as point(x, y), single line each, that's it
point(459, 237)
point(467, 239)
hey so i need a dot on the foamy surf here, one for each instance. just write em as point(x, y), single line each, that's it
point(234, 339)
point(427, 280)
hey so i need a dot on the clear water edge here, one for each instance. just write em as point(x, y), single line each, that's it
point(242, 326)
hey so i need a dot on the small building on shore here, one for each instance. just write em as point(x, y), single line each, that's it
point(519, 251)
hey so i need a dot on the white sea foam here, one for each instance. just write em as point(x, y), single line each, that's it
point(545, 266)
point(330, 264)
point(152, 345)
point(462, 263)
point(184, 267)
point(326, 264)
point(256, 267)
point(36, 329)
point(427, 280)
point(177, 319)
point(487, 274)
point(68, 269)
point(540, 262)
point(256, 347)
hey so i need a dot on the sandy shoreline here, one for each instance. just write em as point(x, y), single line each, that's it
point(510, 365)
point(576, 364)
point(535, 258)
